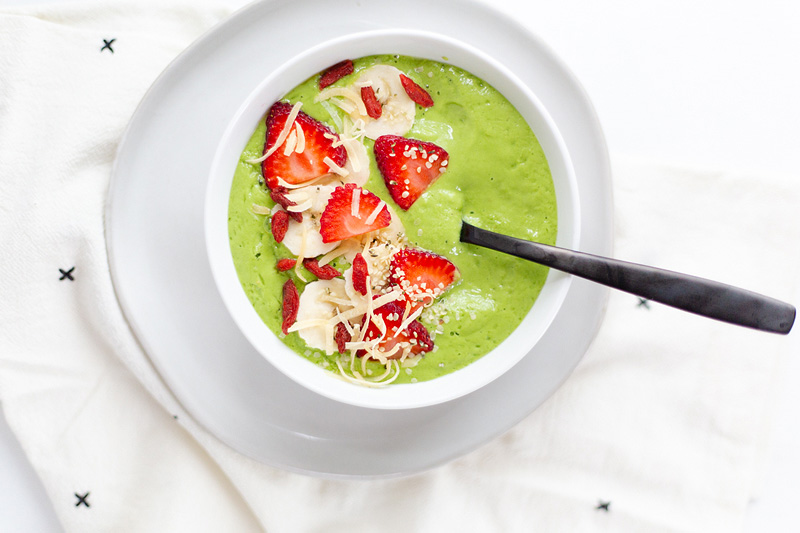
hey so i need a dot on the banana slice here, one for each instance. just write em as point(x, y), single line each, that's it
point(398, 112)
point(357, 164)
point(315, 304)
point(303, 238)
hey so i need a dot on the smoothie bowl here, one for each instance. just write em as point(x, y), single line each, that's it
point(333, 212)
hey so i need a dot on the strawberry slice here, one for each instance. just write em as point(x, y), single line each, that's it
point(360, 274)
point(336, 72)
point(415, 92)
point(337, 222)
point(374, 109)
point(322, 272)
point(415, 336)
point(422, 275)
point(297, 168)
point(408, 166)
point(291, 304)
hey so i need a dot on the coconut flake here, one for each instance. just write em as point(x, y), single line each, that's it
point(301, 138)
point(333, 167)
point(375, 212)
point(291, 143)
point(355, 203)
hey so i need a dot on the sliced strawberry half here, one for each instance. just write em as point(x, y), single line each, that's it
point(422, 275)
point(408, 166)
point(307, 165)
point(338, 221)
point(415, 336)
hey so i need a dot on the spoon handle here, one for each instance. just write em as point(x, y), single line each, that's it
point(689, 293)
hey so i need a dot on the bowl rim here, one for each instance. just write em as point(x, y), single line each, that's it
point(300, 369)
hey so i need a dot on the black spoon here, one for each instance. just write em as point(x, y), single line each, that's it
point(696, 295)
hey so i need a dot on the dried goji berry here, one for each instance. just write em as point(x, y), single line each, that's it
point(280, 224)
point(291, 303)
point(341, 336)
point(372, 104)
point(286, 264)
point(322, 272)
point(360, 274)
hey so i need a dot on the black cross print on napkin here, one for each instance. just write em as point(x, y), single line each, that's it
point(66, 274)
point(603, 506)
point(107, 45)
point(643, 302)
point(82, 499)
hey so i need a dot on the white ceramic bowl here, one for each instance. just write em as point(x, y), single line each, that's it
point(296, 70)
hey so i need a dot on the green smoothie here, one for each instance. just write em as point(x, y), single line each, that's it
point(497, 179)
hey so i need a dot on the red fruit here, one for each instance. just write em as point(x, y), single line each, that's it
point(414, 335)
point(360, 274)
point(371, 102)
point(422, 275)
point(310, 164)
point(341, 336)
point(415, 92)
point(278, 195)
point(336, 72)
point(322, 272)
point(291, 303)
point(337, 221)
point(408, 166)
point(285, 264)
point(279, 223)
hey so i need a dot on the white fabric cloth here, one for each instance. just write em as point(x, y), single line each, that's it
point(665, 418)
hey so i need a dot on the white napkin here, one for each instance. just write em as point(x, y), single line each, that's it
point(660, 428)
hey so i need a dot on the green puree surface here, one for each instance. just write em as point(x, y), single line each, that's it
point(497, 178)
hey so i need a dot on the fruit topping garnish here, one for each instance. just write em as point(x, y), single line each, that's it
point(341, 336)
point(393, 335)
point(335, 72)
point(373, 309)
point(371, 103)
point(415, 92)
point(291, 303)
point(360, 274)
point(322, 272)
point(397, 109)
point(408, 166)
point(352, 211)
point(279, 224)
point(285, 264)
point(278, 195)
point(423, 276)
point(305, 153)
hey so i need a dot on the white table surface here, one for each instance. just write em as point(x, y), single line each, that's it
point(706, 84)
